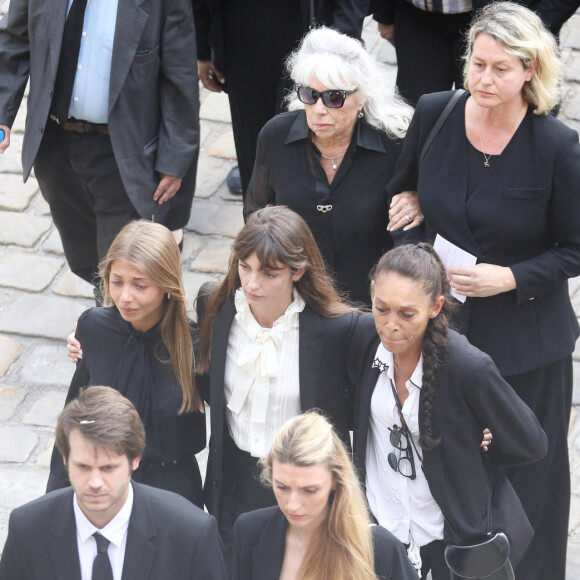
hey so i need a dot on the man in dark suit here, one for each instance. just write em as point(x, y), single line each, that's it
point(106, 527)
point(112, 128)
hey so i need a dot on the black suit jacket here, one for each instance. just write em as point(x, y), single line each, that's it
point(324, 384)
point(472, 396)
point(346, 16)
point(260, 544)
point(523, 215)
point(168, 537)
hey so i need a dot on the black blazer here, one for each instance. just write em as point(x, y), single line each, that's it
point(472, 396)
point(523, 215)
point(260, 544)
point(346, 16)
point(168, 537)
point(324, 383)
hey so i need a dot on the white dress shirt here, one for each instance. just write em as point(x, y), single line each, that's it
point(403, 506)
point(262, 383)
point(115, 531)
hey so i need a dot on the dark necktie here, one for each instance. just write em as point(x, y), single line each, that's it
point(101, 564)
point(69, 57)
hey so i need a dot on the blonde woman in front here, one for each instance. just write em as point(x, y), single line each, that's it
point(320, 527)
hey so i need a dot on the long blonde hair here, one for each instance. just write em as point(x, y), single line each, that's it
point(277, 235)
point(151, 248)
point(343, 548)
point(521, 33)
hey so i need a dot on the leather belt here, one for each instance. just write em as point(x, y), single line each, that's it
point(77, 126)
point(150, 465)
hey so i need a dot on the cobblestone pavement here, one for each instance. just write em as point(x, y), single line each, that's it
point(40, 298)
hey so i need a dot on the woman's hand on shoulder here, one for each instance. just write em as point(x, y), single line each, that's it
point(482, 280)
point(73, 347)
point(487, 439)
point(404, 212)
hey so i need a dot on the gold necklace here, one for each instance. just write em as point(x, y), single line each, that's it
point(487, 157)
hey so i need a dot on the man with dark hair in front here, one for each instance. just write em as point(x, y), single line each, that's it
point(106, 527)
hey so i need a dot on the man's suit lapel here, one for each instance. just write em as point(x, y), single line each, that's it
point(131, 21)
point(310, 350)
point(64, 551)
point(268, 555)
point(140, 552)
point(55, 20)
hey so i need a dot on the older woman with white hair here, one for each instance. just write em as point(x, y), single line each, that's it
point(330, 157)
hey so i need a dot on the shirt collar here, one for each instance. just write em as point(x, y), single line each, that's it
point(114, 531)
point(364, 135)
point(384, 362)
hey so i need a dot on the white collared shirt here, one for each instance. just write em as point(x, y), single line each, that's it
point(115, 531)
point(403, 506)
point(262, 383)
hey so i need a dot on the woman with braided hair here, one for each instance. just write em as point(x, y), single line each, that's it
point(424, 394)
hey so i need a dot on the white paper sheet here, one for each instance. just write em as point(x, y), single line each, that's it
point(452, 255)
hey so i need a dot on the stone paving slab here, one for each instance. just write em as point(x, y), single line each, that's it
point(45, 411)
point(213, 257)
point(45, 316)
point(9, 351)
point(72, 285)
point(16, 444)
point(22, 229)
point(16, 195)
point(46, 365)
point(30, 272)
point(10, 399)
point(208, 217)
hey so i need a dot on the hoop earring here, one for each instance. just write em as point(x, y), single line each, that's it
point(168, 296)
point(360, 114)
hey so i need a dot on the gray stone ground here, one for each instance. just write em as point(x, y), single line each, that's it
point(40, 298)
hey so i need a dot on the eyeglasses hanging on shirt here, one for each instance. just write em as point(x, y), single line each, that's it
point(402, 440)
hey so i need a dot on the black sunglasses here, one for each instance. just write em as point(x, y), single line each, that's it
point(333, 98)
point(405, 463)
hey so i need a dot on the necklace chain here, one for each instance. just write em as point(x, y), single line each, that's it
point(331, 158)
point(399, 370)
point(488, 156)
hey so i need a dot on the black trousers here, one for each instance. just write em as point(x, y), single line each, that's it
point(429, 48)
point(544, 487)
point(259, 34)
point(80, 180)
point(243, 491)
point(433, 560)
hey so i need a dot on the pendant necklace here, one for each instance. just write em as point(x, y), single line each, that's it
point(488, 156)
point(333, 159)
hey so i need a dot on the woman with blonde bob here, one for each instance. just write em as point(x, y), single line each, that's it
point(320, 528)
point(500, 181)
point(141, 344)
point(274, 337)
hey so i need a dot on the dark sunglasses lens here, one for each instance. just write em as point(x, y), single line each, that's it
point(333, 99)
point(307, 96)
point(395, 437)
point(393, 461)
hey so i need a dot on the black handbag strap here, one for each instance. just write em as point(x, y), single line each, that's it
point(439, 123)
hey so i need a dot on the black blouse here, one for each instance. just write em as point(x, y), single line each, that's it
point(137, 365)
point(352, 235)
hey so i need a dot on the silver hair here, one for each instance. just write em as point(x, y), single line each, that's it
point(341, 62)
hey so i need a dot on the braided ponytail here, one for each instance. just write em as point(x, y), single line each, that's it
point(422, 264)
